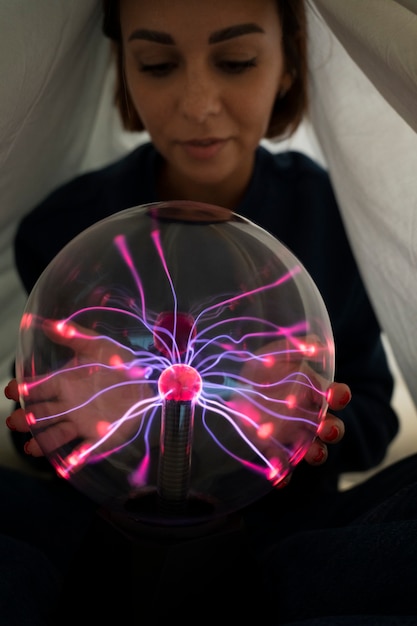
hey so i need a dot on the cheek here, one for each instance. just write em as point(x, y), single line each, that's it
point(256, 112)
point(138, 93)
point(146, 107)
point(152, 106)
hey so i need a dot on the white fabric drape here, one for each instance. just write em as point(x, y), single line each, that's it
point(48, 57)
point(56, 119)
point(381, 37)
point(364, 113)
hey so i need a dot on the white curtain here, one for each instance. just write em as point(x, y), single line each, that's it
point(381, 37)
point(363, 56)
point(56, 118)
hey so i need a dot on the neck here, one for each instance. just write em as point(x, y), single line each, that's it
point(226, 194)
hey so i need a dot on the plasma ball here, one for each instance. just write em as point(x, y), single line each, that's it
point(180, 382)
point(111, 369)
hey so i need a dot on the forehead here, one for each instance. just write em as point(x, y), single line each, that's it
point(197, 18)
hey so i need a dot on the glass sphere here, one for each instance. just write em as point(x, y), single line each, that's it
point(173, 362)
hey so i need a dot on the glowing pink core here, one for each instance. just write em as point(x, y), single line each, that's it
point(180, 382)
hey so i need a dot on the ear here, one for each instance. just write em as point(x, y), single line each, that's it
point(285, 84)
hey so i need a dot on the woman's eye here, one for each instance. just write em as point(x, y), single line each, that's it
point(237, 67)
point(157, 69)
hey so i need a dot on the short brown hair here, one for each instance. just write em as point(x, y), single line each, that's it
point(289, 108)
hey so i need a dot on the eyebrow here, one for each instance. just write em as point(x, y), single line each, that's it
point(234, 31)
point(218, 36)
point(151, 35)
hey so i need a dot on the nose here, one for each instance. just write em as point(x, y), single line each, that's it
point(200, 97)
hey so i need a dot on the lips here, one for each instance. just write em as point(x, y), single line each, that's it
point(202, 149)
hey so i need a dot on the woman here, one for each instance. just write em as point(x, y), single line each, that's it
point(209, 81)
point(207, 101)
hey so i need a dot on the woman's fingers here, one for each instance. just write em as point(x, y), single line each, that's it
point(331, 430)
point(338, 396)
point(317, 453)
point(32, 448)
point(11, 390)
point(17, 421)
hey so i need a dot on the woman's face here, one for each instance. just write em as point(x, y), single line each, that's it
point(203, 76)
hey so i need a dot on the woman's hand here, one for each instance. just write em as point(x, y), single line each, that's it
point(331, 430)
point(287, 392)
point(96, 399)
